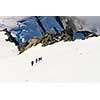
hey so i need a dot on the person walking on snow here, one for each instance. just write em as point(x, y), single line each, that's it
point(32, 63)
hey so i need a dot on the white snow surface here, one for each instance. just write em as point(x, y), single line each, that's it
point(77, 61)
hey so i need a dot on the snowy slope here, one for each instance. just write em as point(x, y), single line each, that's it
point(7, 49)
point(63, 61)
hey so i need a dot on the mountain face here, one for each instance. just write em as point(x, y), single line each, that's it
point(34, 26)
point(81, 21)
point(47, 29)
point(77, 61)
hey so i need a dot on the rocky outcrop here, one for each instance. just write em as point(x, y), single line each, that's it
point(10, 37)
point(68, 26)
point(29, 44)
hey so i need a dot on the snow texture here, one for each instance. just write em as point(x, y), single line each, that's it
point(76, 61)
point(61, 62)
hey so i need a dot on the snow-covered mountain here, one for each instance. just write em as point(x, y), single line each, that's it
point(61, 62)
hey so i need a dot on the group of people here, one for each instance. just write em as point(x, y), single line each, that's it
point(36, 61)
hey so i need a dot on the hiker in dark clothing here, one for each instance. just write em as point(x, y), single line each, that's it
point(32, 63)
point(40, 58)
point(36, 60)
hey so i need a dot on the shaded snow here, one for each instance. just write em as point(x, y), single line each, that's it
point(9, 21)
point(63, 61)
point(91, 23)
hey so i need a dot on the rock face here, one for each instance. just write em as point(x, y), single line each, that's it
point(46, 30)
point(29, 44)
point(34, 26)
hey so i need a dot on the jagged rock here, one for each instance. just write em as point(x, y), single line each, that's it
point(46, 30)
point(10, 37)
point(32, 42)
point(52, 31)
point(92, 35)
point(65, 37)
point(47, 39)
